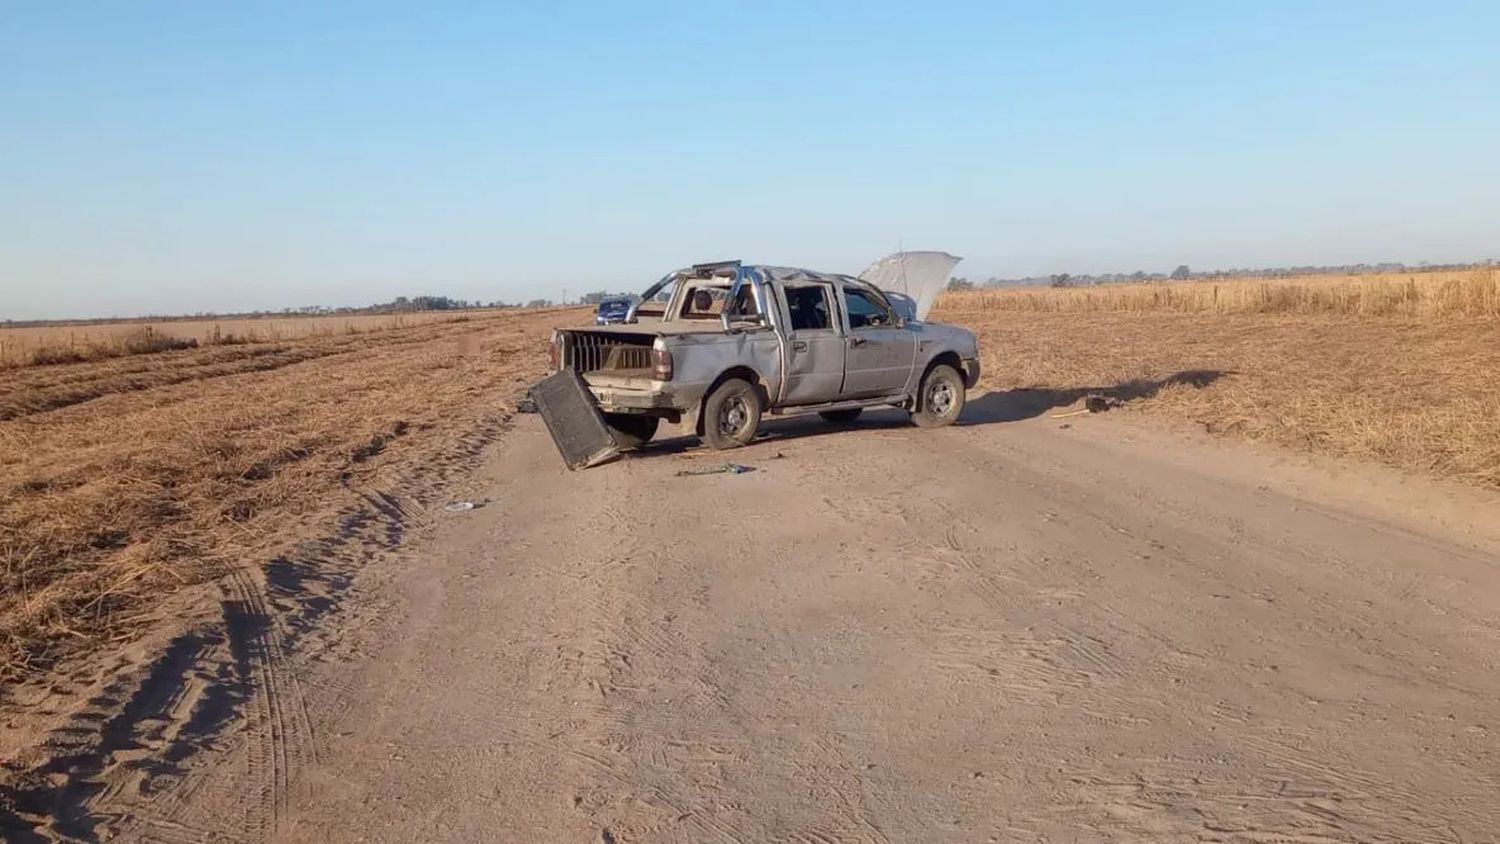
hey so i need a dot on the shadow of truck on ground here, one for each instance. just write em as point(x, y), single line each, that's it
point(987, 409)
point(1030, 402)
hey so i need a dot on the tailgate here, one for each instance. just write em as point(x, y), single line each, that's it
point(573, 420)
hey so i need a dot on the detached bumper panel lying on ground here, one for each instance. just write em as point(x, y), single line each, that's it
point(573, 420)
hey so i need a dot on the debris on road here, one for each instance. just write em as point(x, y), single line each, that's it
point(721, 469)
point(1092, 403)
point(526, 405)
point(1099, 402)
point(573, 420)
point(459, 506)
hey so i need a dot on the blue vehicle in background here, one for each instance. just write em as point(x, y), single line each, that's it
point(612, 310)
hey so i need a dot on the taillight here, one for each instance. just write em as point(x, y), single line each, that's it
point(661, 364)
point(555, 352)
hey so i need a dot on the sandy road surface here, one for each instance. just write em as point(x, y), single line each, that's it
point(1017, 631)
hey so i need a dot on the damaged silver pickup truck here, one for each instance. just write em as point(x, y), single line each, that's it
point(717, 347)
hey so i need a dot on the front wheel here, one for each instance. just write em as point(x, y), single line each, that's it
point(940, 399)
point(631, 430)
point(731, 414)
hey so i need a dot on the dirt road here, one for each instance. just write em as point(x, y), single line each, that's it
point(1027, 630)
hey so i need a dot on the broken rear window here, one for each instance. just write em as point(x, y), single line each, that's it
point(702, 302)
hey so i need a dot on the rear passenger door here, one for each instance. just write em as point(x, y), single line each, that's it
point(880, 353)
point(814, 345)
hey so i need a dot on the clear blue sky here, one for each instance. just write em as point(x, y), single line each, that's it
point(221, 156)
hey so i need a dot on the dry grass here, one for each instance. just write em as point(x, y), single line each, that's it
point(126, 479)
point(1323, 369)
point(74, 342)
point(1467, 293)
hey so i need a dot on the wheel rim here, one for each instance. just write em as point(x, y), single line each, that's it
point(732, 416)
point(941, 398)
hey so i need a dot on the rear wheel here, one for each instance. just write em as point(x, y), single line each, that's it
point(631, 430)
point(940, 399)
point(846, 415)
point(731, 414)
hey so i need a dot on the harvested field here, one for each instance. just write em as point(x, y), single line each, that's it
point(130, 476)
point(1307, 367)
point(1446, 294)
point(126, 479)
point(76, 342)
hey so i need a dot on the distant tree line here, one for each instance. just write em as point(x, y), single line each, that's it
point(600, 295)
point(1185, 273)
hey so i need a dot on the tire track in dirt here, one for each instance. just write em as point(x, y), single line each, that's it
point(137, 762)
point(975, 645)
point(273, 739)
point(122, 744)
point(130, 774)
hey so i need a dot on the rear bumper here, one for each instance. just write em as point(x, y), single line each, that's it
point(673, 402)
point(971, 372)
point(613, 400)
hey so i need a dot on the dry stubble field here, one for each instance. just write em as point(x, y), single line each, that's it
point(1403, 370)
point(75, 342)
point(127, 479)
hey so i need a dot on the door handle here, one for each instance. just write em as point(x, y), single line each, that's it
point(799, 345)
point(857, 341)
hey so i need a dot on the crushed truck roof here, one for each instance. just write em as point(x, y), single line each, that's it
point(912, 280)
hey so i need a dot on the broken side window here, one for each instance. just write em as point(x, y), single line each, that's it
point(807, 307)
point(865, 310)
point(656, 306)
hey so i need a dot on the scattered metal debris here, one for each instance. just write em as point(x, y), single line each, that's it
point(459, 506)
point(1092, 403)
point(721, 469)
point(1099, 402)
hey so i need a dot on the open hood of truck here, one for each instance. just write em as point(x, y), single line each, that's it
point(912, 280)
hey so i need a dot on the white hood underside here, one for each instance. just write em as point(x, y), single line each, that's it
point(912, 280)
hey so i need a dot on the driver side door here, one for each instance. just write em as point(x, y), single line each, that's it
point(880, 352)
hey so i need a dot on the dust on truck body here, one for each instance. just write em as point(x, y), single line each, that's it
point(715, 347)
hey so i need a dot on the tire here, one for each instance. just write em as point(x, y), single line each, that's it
point(842, 416)
point(631, 430)
point(731, 414)
point(940, 399)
